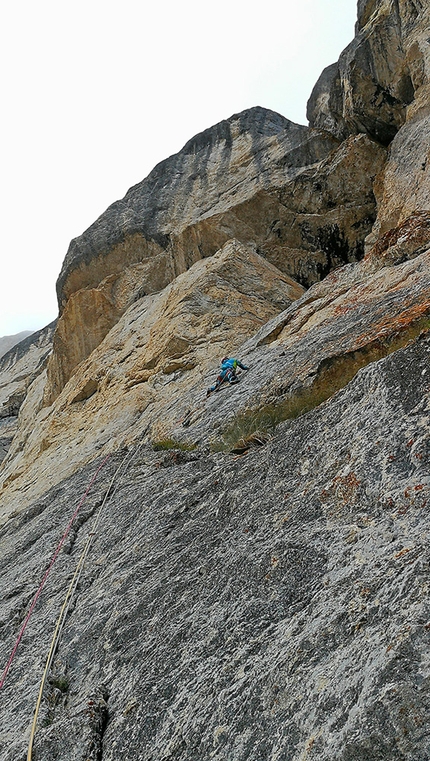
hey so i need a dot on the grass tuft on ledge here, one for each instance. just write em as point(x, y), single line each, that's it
point(162, 445)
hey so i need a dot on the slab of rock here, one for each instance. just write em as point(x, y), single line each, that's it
point(267, 606)
point(20, 365)
point(248, 178)
point(405, 189)
point(312, 224)
point(257, 586)
point(152, 370)
point(159, 349)
point(381, 86)
point(141, 243)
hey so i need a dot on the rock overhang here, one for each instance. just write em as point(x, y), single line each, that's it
point(160, 204)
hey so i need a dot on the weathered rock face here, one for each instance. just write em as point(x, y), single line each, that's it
point(155, 365)
point(309, 226)
point(165, 342)
point(381, 86)
point(257, 585)
point(21, 364)
point(272, 606)
point(19, 367)
point(7, 342)
point(378, 75)
point(216, 170)
point(250, 178)
point(406, 178)
point(140, 244)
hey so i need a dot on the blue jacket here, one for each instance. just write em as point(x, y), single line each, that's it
point(232, 364)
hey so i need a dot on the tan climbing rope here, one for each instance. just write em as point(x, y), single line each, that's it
point(68, 598)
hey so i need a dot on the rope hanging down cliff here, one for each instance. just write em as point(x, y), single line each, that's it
point(69, 595)
point(47, 572)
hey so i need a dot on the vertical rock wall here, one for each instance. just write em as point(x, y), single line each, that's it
point(258, 581)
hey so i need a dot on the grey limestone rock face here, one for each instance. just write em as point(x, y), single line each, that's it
point(41, 339)
point(273, 606)
point(257, 582)
point(19, 367)
point(288, 192)
point(187, 208)
point(7, 342)
point(325, 104)
point(370, 87)
point(218, 167)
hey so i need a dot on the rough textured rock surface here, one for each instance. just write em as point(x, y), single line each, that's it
point(155, 365)
point(152, 362)
point(250, 177)
point(272, 606)
point(19, 367)
point(257, 583)
point(219, 168)
point(378, 74)
point(6, 342)
point(406, 178)
point(381, 87)
point(314, 223)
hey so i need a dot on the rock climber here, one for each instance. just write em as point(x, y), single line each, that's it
point(229, 366)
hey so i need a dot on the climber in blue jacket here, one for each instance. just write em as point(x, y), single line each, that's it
point(228, 373)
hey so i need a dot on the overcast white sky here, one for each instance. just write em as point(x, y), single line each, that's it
point(94, 94)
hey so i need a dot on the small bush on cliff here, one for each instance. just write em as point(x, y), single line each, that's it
point(60, 682)
point(253, 427)
point(164, 444)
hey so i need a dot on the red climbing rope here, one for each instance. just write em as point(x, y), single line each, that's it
point(42, 583)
